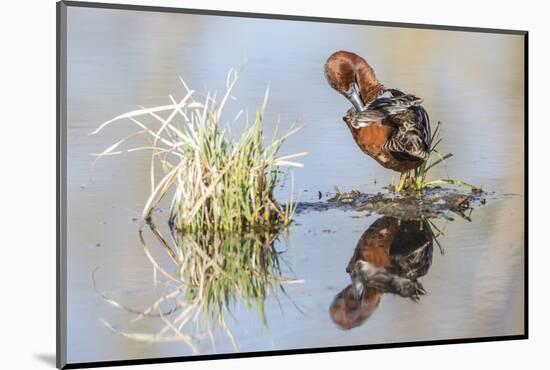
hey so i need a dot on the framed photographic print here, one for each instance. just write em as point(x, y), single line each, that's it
point(235, 184)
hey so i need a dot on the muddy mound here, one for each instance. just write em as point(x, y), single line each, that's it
point(433, 203)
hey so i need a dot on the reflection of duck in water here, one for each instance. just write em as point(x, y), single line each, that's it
point(387, 124)
point(389, 257)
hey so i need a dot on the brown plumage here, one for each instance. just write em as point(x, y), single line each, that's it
point(387, 124)
point(401, 247)
point(343, 68)
point(389, 257)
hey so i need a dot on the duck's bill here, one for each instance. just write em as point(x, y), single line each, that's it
point(355, 99)
point(358, 288)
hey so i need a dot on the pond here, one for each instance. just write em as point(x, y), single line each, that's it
point(472, 82)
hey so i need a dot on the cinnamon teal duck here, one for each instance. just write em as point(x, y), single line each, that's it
point(389, 257)
point(387, 124)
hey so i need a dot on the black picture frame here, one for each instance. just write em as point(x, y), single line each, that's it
point(61, 169)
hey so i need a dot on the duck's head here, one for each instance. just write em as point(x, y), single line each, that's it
point(349, 310)
point(351, 76)
point(340, 74)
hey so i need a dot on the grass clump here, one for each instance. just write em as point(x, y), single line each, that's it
point(224, 219)
point(418, 181)
point(217, 182)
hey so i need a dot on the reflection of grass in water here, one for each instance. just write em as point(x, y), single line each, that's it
point(218, 270)
point(214, 273)
point(218, 182)
point(418, 182)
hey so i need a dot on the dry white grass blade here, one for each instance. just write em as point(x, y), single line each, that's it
point(264, 103)
point(172, 128)
point(291, 281)
point(237, 116)
point(177, 108)
point(230, 84)
point(196, 105)
point(204, 113)
point(134, 113)
point(158, 192)
point(156, 150)
point(180, 111)
point(110, 149)
point(184, 84)
point(227, 79)
point(151, 132)
point(288, 164)
point(290, 156)
point(290, 132)
point(100, 155)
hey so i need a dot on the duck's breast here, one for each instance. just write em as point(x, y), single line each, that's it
point(371, 138)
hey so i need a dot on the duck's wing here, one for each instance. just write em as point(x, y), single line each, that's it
point(364, 275)
point(394, 102)
point(411, 137)
point(412, 134)
point(361, 119)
